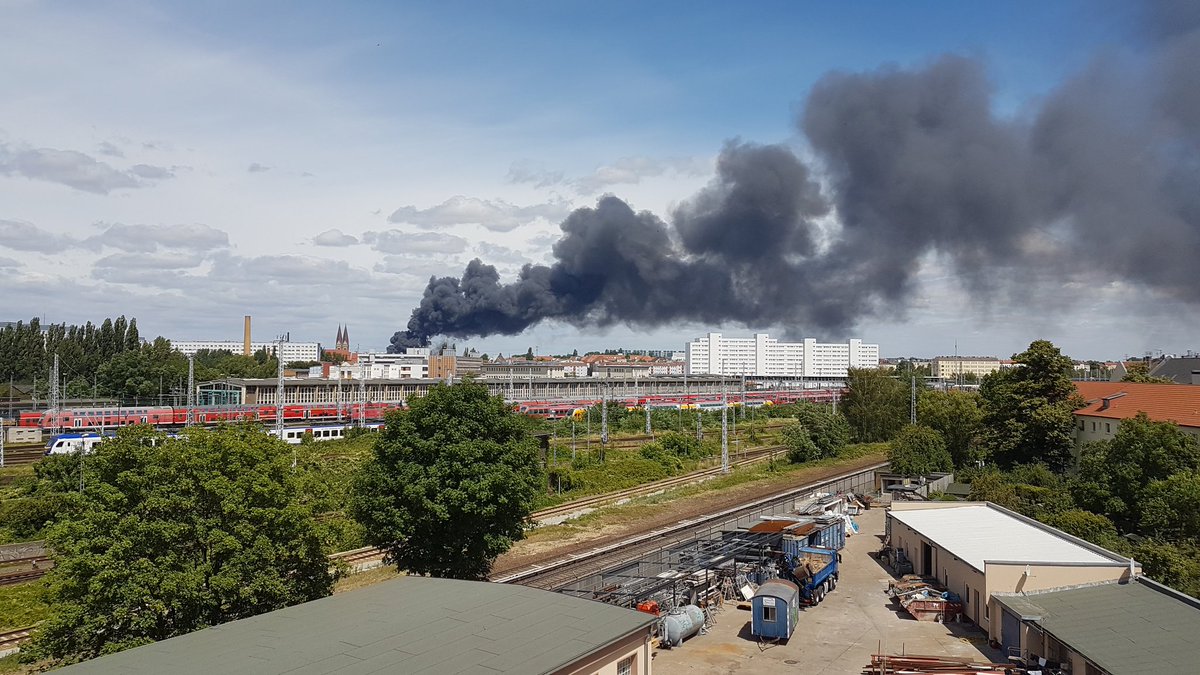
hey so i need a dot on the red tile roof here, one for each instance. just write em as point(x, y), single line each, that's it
point(1179, 403)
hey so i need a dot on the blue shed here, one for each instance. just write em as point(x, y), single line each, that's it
point(775, 609)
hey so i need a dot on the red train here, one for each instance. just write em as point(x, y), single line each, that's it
point(170, 417)
point(559, 409)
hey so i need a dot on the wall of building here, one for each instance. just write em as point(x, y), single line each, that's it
point(952, 366)
point(763, 355)
point(955, 574)
point(635, 646)
point(1017, 577)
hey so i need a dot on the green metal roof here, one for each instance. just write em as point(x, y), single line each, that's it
point(1139, 627)
point(410, 625)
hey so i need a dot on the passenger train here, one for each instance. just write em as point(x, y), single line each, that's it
point(166, 417)
point(61, 444)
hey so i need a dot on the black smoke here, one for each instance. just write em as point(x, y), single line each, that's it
point(1096, 185)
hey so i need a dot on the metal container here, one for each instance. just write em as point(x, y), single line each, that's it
point(682, 623)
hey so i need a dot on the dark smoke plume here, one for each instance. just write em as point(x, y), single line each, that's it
point(1099, 184)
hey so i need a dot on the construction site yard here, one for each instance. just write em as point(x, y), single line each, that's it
point(836, 637)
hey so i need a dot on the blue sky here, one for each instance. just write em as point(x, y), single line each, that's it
point(188, 163)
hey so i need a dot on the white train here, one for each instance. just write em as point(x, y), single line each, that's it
point(63, 444)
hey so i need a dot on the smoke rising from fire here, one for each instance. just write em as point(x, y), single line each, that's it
point(1099, 183)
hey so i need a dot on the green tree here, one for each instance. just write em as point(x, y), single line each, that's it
point(1028, 410)
point(1139, 371)
point(918, 451)
point(449, 484)
point(176, 535)
point(1171, 508)
point(799, 443)
point(876, 405)
point(829, 431)
point(956, 415)
point(1114, 475)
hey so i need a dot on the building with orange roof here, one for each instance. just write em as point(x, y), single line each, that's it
point(1108, 403)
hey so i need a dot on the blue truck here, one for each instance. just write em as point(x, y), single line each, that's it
point(815, 571)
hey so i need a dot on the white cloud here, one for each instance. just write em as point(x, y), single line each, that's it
point(192, 237)
point(421, 267)
point(334, 237)
point(151, 172)
point(625, 171)
point(22, 236)
point(494, 214)
point(109, 149)
point(8, 263)
point(396, 241)
point(495, 253)
point(255, 167)
point(173, 260)
point(66, 167)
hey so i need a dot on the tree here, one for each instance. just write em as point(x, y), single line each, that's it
point(1028, 410)
point(829, 431)
point(529, 354)
point(918, 451)
point(799, 443)
point(176, 535)
point(1171, 508)
point(956, 415)
point(1139, 371)
point(449, 484)
point(876, 405)
point(1114, 475)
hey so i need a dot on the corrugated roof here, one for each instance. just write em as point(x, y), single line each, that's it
point(1179, 403)
point(978, 532)
point(1134, 628)
point(410, 625)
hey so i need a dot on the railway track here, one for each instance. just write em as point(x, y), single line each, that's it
point(558, 573)
point(12, 639)
point(15, 455)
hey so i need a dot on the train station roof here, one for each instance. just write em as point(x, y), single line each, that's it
point(410, 625)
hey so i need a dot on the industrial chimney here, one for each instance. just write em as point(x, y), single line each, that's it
point(246, 338)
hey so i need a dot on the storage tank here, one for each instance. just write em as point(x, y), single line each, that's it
point(682, 623)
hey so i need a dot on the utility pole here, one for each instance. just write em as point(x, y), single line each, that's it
point(338, 393)
point(54, 393)
point(912, 402)
point(724, 426)
point(572, 437)
point(648, 431)
point(743, 397)
point(191, 396)
point(603, 420)
point(3, 433)
point(362, 396)
point(279, 395)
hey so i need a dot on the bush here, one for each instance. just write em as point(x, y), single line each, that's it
point(918, 451)
point(800, 445)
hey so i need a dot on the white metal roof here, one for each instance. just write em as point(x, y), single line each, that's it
point(979, 533)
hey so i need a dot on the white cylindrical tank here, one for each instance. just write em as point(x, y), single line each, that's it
point(682, 623)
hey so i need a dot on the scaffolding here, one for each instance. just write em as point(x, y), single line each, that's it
point(693, 572)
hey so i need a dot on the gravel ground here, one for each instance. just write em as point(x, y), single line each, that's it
point(834, 638)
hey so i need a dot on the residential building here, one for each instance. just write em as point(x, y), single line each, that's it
point(611, 370)
point(977, 549)
point(950, 367)
point(667, 368)
point(291, 351)
point(765, 356)
point(1110, 627)
point(1110, 402)
point(521, 370)
point(409, 625)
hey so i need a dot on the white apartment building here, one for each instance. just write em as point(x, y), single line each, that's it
point(764, 356)
point(291, 351)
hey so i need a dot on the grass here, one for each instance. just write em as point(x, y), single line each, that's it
point(644, 507)
point(21, 605)
point(367, 578)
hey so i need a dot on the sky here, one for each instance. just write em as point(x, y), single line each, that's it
point(314, 164)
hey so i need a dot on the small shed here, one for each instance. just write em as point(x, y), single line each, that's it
point(775, 609)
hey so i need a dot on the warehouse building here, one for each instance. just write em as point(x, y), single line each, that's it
point(410, 625)
point(977, 549)
point(1139, 627)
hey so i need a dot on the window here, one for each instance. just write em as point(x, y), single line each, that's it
point(769, 614)
point(626, 665)
point(1107, 428)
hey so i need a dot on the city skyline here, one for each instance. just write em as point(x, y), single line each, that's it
point(188, 166)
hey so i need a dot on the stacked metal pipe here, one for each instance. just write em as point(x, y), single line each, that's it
point(915, 664)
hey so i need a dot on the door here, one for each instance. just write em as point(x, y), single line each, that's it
point(1010, 635)
point(926, 559)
